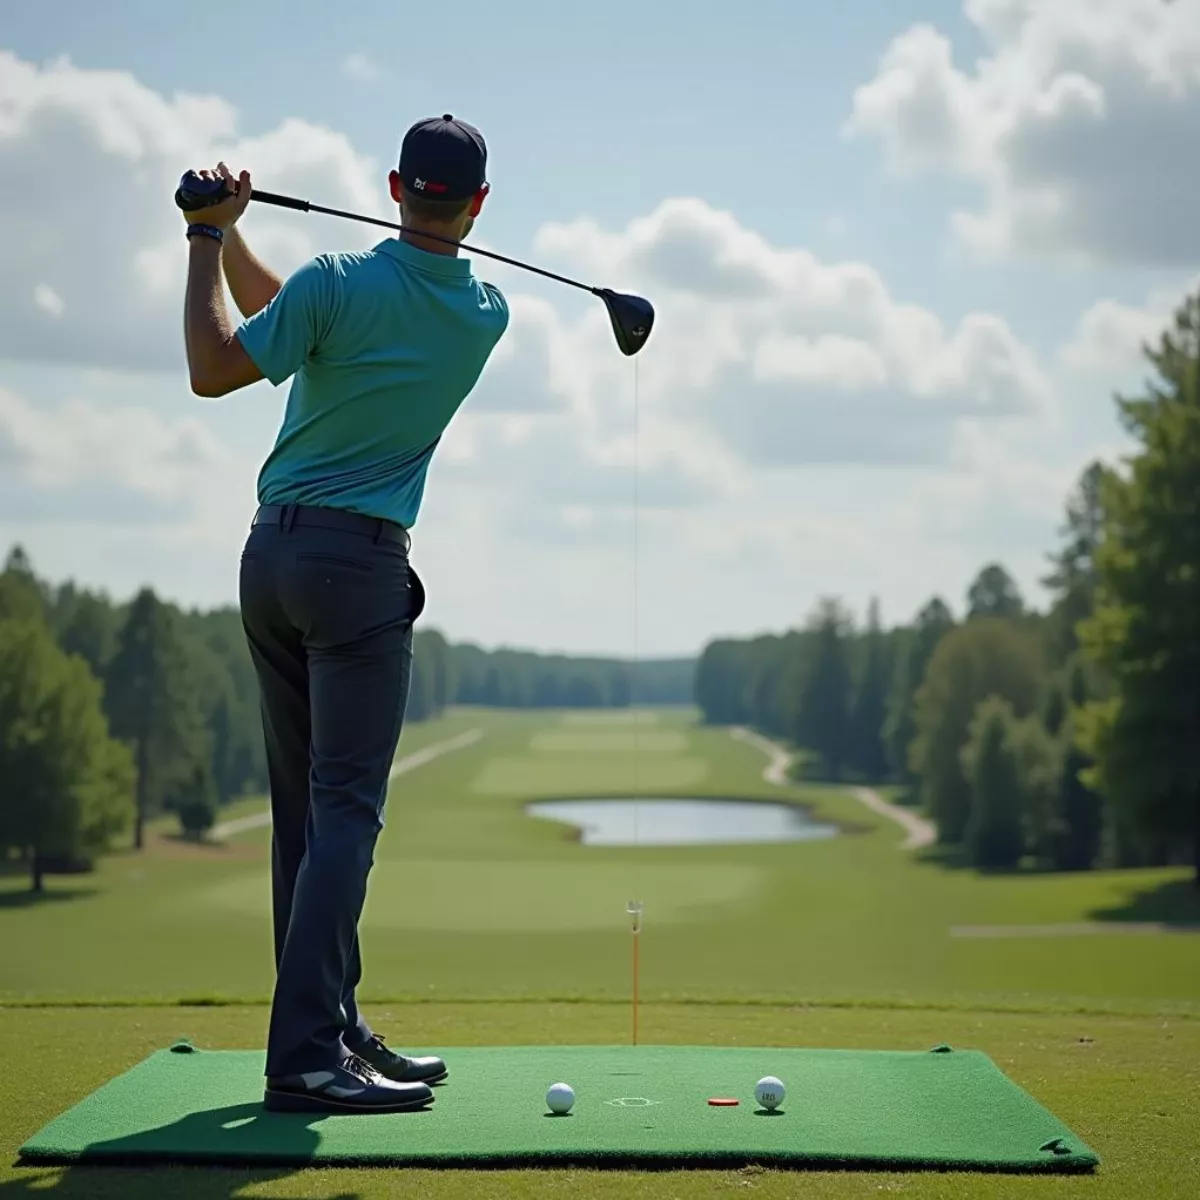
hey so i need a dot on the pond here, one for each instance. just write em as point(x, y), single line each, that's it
point(671, 822)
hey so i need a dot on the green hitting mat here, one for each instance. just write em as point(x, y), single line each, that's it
point(645, 1105)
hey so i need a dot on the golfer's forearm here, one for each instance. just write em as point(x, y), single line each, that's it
point(207, 328)
point(251, 284)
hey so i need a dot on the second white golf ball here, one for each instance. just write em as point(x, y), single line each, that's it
point(769, 1092)
point(560, 1097)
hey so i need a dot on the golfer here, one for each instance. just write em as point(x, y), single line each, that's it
point(382, 346)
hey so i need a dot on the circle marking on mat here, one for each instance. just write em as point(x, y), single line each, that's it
point(632, 1102)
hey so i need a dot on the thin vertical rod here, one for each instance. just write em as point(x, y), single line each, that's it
point(636, 940)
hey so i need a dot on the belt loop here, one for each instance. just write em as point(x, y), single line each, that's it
point(291, 516)
point(282, 515)
point(378, 531)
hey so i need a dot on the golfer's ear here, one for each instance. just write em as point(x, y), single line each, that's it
point(480, 197)
point(396, 187)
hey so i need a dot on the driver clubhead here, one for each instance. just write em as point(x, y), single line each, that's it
point(632, 318)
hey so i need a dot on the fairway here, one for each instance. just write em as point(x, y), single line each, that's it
point(481, 922)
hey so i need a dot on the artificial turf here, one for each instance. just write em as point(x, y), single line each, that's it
point(644, 1105)
point(1126, 1086)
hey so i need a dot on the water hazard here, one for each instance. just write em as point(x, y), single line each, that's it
point(670, 822)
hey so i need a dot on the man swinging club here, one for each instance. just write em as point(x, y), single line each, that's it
point(383, 347)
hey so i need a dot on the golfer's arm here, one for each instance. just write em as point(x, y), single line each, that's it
point(251, 284)
point(217, 362)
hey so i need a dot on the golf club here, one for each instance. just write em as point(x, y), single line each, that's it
point(632, 316)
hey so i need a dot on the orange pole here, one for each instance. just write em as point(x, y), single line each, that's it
point(636, 939)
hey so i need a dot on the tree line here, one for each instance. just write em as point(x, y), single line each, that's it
point(112, 713)
point(1066, 739)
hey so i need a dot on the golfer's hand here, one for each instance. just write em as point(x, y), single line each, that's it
point(225, 214)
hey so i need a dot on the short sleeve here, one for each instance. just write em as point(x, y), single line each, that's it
point(497, 306)
point(280, 336)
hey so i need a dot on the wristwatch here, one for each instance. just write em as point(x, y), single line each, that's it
point(206, 231)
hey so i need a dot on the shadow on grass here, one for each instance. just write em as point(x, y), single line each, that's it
point(1176, 902)
point(954, 858)
point(152, 1183)
point(27, 898)
point(215, 1141)
point(199, 843)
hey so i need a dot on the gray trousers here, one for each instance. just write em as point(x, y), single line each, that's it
point(328, 604)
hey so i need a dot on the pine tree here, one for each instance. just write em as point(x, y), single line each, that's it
point(153, 707)
point(869, 751)
point(823, 711)
point(933, 622)
point(993, 834)
point(1145, 633)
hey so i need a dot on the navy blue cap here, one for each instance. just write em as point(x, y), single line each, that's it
point(443, 158)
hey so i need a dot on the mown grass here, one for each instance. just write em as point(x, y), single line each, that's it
point(485, 926)
point(469, 897)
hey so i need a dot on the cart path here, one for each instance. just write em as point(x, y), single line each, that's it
point(408, 763)
point(921, 832)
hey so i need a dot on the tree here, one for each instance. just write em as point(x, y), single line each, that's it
point(823, 712)
point(716, 690)
point(153, 706)
point(21, 595)
point(1076, 837)
point(994, 837)
point(933, 622)
point(1039, 758)
point(987, 656)
point(994, 594)
point(67, 787)
point(432, 652)
point(1072, 579)
point(868, 749)
point(196, 803)
point(1145, 632)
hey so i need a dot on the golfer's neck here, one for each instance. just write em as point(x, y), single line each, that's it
point(413, 237)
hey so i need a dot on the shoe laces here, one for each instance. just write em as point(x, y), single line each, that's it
point(360, 1069)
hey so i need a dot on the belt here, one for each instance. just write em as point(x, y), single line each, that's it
point(317, 517)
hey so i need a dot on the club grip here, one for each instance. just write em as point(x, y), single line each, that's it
point(278, 200)
point(195, 193)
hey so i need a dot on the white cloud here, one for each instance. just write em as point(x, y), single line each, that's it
point(1077, 124)
point(80, 461)
point(762, 353)
point(361, 67)
point(765, 358)
point(48, 300)
point(788, 359)
point(1109, 337)
point(126, 287)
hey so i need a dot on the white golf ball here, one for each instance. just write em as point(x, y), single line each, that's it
point(560, 1097)
point(769, 1092)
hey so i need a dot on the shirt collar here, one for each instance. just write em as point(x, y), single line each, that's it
point(425, 260)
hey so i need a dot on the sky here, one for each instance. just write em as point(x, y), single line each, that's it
point(902, 253)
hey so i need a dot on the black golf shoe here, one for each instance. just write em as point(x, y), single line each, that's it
point(399, 1068)
point(353, 1086)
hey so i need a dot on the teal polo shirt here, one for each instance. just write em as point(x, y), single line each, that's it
point(384, 346)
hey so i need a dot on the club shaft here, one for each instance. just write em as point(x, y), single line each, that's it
point(306, 206)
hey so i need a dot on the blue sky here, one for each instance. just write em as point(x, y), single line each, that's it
point(601, 114)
